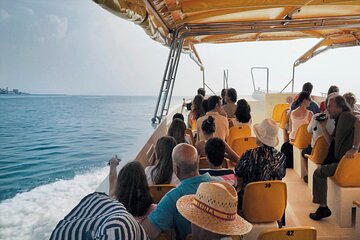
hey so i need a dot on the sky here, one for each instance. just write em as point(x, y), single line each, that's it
point(78, 48)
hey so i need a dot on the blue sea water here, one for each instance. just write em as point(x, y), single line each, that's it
point(54, 150)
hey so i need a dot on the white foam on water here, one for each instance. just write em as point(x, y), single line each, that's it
point(34, 214)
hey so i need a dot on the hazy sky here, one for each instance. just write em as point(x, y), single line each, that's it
point(76, 47)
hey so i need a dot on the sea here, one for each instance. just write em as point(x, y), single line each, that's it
point(54, 151)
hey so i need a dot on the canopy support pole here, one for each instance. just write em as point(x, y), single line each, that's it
point(167, 85)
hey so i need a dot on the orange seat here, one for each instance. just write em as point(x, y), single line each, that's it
point(284, 118)
point(242, 144)
point(278, 110)
point(347, 173)
point(238, 131)
point(203, 163)
point(158, 191)
point(302, 137)
point(264, 201)
point(292, 233)
point(193, 125)
point(319, 151)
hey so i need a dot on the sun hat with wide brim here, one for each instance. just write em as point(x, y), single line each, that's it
point(214, 208)
point(267, 132)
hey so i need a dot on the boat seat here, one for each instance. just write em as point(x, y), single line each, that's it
point(292, 233)
point(203, 163)
point(158, 191)
point(343, 188)
point(317, 156)
point(357, 221)
point(278, 110)
point(237, 132)
point(284, 120)
point(301, 141)
point(242, 144)
point(264, 204)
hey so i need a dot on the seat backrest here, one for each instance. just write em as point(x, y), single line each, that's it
point(159, 190)
point(278, 110)
point(291, 233)
point(238, 131)
point(347, 173)
point(319, 151)
point(203, 163)
point(190, 133)
point(264, 201)
point(193, 125)
point(242, 144)
point(284, 118)
point(302, 137)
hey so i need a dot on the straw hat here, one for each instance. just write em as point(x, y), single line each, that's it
point(267, 132)
point(214, 208)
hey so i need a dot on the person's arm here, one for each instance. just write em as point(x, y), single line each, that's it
point(356, 142)
point(150, 229)
point(114, 162)
point(326, 134)
point(232, 155)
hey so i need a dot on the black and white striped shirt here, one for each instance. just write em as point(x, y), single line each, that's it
point(97, 216)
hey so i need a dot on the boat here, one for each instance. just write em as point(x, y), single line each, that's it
point(180, 25)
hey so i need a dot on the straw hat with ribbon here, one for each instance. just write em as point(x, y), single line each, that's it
point(214, 208)
point(267, 132)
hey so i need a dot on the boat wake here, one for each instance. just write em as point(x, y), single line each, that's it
point(34, 214)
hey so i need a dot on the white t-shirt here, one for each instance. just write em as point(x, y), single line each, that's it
point(148, 169)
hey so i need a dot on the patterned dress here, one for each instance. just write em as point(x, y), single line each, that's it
point(260, 164)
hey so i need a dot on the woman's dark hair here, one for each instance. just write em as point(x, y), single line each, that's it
point(197, 106)
point(205, 105)
point(232, 94)
point(132, 189)
point(163, 170)
point(179, 116)
point(303, 96)
point(215, 151)
point(177, 130)
point(223, 93)
point(212, 101)
point(208, 125)
point(333, 89)
point(243, 111)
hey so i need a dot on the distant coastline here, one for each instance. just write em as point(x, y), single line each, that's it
point(6, 91)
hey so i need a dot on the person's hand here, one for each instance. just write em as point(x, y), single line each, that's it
point(323, 123)
point(114, 161)
point(351, 153)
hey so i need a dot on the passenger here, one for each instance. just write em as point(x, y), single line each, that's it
point(178, 116)
point(215, 153)
point(205, 105)
point(206, 210)
point(223, 99)
point(264, 162)
point(221, 122)
point(200, 91)
point(300, 115)
point(242, 113)
point(131, 189)
point(166, 216)
point(208, 128)
point(230, 106)
point(351, 100)
point(129, 196)
point(332, 89)
point(345, 142)
point(177, 131)
point(196, 110)
point(162, 172)
point(313, 106)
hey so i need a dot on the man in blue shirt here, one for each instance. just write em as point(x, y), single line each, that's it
point(166, 216)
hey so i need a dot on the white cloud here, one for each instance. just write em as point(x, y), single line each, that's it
point(60, 26)
point(30, 11)
point(49, 27)
point(4, 15)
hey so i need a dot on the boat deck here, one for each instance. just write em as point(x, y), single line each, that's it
point(300, 205)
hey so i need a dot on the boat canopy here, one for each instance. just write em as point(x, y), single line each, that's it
point(225, 21)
